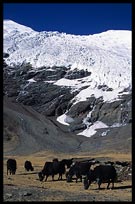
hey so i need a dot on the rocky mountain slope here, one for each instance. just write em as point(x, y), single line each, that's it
point(80, 85)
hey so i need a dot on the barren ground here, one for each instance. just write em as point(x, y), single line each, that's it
point(25, 186)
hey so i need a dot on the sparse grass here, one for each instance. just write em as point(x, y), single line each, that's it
point(111, 155)
point(30, 179)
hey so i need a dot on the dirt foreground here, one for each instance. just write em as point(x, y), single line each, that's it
point(25, 186)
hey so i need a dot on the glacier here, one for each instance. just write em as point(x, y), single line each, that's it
point(107, 56)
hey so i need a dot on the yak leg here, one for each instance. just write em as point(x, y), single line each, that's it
point(46, 177)
point(108, 184)
point(112, 184)
point(52, 177)
point(78, 175)
point(99, 183)
point(60, 177)
point(80, 178)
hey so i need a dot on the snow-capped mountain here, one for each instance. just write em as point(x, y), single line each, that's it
point(107, 55)
point(104, 57)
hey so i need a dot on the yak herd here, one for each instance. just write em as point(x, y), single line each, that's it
point(89, 170)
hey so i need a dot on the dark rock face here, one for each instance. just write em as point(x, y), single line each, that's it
point(5, 55)
point(115, 112)
point(104, 88)
point(50, 73)
point(77, 74)
point(79, 108)
point(52, 100)
point(45, 97)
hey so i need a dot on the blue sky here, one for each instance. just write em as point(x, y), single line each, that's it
point(77, 18)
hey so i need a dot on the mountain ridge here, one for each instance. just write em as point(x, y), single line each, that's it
point(106, 55)
point(84, 81)
point(75, 44)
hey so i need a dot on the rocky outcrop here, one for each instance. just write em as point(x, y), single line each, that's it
point(51, 100)
point(45, 97)
point(114, 112)
point(77, 74)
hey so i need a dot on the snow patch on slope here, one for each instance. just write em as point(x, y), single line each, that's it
point(64, 119)
point(92, 129)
